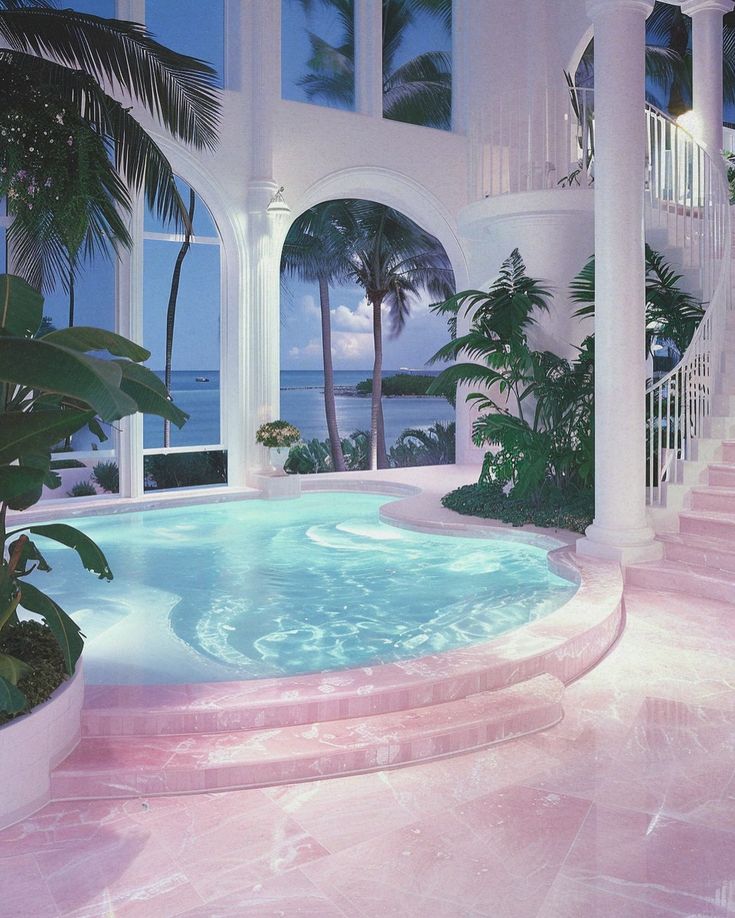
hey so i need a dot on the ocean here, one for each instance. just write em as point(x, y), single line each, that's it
point(302, 403)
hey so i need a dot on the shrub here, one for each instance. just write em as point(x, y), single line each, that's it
point(107, 476)
point(276, 434)
point(555, 510)
point(58, 464)
point(398, 384)
point(82, 489)
point(433, 446)
point(185, 470)
point(36, 645)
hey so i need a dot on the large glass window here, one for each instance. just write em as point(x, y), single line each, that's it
point(417, 64)
point(181, 328)
point(318, 52)
point(192, 27)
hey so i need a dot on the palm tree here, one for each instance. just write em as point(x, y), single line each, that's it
point(92, 153)
point(418, 91)
point(315, 251)
point(171, 309)
point(393, 260)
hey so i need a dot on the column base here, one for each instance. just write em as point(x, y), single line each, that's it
point(626, 546)
point(277, 486)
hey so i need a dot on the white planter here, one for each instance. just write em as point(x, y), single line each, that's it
point(277, 456)
point(32, 745)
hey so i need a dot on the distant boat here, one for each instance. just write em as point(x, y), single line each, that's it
point(201, 379)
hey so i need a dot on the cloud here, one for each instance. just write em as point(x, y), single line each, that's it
point(309, 305)
point(311, 349)
point(352, 347)
point(358, 320)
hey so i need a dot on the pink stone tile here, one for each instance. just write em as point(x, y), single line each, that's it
point(468, 857)
point(568, 899)
point(287, 895)
point(230, 842)
point(321, 807)
point(656, 860)
point(679, 761)
point(125, 873)
point(23, 890)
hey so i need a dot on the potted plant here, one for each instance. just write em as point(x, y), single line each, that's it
point(50, 388)
point(279, 437)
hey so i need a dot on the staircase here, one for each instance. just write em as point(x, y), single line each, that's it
point(694, 516)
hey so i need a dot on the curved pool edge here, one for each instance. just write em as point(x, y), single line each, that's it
point(565, 644)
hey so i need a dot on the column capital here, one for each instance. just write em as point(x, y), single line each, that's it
point(597, 8)
point(692, 7)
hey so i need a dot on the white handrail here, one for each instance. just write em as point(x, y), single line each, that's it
point(537, 140)
point(687, 194)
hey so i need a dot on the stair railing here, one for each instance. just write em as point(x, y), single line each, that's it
point(687, 193)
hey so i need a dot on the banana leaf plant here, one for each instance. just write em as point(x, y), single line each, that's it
point(50, 388)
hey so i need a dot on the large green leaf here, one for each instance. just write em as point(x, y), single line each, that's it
point(149, 393)
point(27, 432)
point(21, 307)
point(12, 669)
point(65, 629)
point(90, 554)
point(16, 480)
point(50, 368)
point(85, 338)
point(12, 700)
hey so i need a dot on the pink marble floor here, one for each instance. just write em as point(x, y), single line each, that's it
point(626, 809)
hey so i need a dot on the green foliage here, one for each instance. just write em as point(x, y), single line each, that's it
point(185, 470)
point(414, 447)
point(107, 476)
point(82, 489)
point(730, 164)
point(433, 446)
point(552, 448)
point(51, 388)
point(670, 311)
point(315, 456)
point(58, 464)
point(276, 434)
point(34, 643)
point(398, 384)
point(556, 510)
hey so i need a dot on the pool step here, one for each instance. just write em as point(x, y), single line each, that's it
point(139, 766)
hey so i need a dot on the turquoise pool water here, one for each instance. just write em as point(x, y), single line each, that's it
point(256, 588)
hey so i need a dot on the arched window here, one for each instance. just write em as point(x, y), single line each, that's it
point(181, 328)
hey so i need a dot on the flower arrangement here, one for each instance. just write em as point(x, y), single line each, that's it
point(276, 434)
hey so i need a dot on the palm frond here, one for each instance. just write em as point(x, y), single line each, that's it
point(178, 90)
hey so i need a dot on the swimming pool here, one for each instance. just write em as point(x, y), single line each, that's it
point(256, 588)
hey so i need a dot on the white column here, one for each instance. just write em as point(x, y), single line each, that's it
point(707, 67)
point(620, 530)
point(369, 57)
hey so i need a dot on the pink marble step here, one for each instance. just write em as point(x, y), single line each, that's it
point(675, 577)
point(143, 766)
point(719, 500)
point(698, 551)
point(728, 450)
point(708, 523)
point(721, 475)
